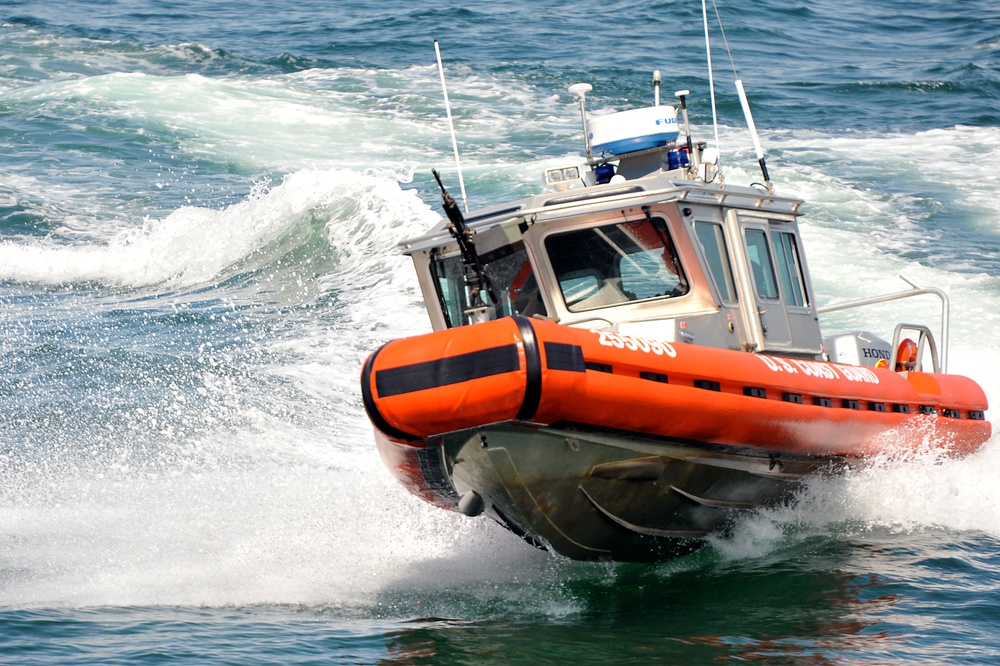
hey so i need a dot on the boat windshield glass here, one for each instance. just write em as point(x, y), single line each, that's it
point(616, 263)
point(761, 265)
point(786, 252)
point(713, 243)
point(512, 277)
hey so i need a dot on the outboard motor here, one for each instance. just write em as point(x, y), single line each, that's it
point(858, 348)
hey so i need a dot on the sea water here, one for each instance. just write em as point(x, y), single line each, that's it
point(200, 206)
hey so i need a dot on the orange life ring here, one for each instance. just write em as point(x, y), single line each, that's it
point(906, 356)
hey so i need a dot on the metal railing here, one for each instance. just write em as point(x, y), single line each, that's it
point(917, 290)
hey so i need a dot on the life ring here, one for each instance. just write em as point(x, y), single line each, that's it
point(906, 356)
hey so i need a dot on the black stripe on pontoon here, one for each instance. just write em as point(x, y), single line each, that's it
point(447, 371)
point(369, 402)
point(533, 369)
point(560, 356)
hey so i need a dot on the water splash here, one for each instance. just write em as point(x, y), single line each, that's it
point(197, 246)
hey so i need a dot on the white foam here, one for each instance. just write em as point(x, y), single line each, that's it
point(196, 246)
point(245, 517)
point(918, 494)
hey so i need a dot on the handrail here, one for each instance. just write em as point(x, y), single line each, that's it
point(925, 339)
point(918, 290)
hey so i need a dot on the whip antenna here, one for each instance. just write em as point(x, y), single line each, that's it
point(753, 132)
point(744, 102)
point(451, 126)
point(581, 90)
point(711, 77)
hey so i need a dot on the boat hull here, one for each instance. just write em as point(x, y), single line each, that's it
point(592, 495)
point(603, 446)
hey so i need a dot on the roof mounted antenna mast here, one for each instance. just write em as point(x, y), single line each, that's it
point(581, 90)
point(744, 102)
point(711, 77)
point(753, 134)
point(682, 96)
point(451, 126)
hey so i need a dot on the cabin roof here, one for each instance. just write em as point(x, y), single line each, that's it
point(580, 201)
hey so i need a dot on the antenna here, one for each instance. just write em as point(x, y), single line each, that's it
point(581, 90)
point(753, 132)
point(682, 96)
point(656, 87)
point(744, 102)
point(711, 78)
point(451, 126)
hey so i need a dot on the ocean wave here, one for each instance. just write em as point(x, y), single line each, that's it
point(197, 246)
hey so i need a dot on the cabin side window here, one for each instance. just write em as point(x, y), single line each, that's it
point(761, 265)
point(513, 279)
point(713, 244)
point(786, 254)
point(449, 279)
point(616, 263)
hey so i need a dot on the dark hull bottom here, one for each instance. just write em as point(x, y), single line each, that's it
point(607, 496)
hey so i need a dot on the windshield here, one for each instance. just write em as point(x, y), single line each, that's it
point(513, 279)
point(616, 263)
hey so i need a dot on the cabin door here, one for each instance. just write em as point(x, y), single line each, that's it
point(757, 281)
point(773, 285)
point(718, 258)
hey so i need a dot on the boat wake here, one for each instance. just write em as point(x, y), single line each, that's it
point(287, 520)
point(304, 226)
point(927, 493)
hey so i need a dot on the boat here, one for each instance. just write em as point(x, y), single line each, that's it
point(625, 363)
